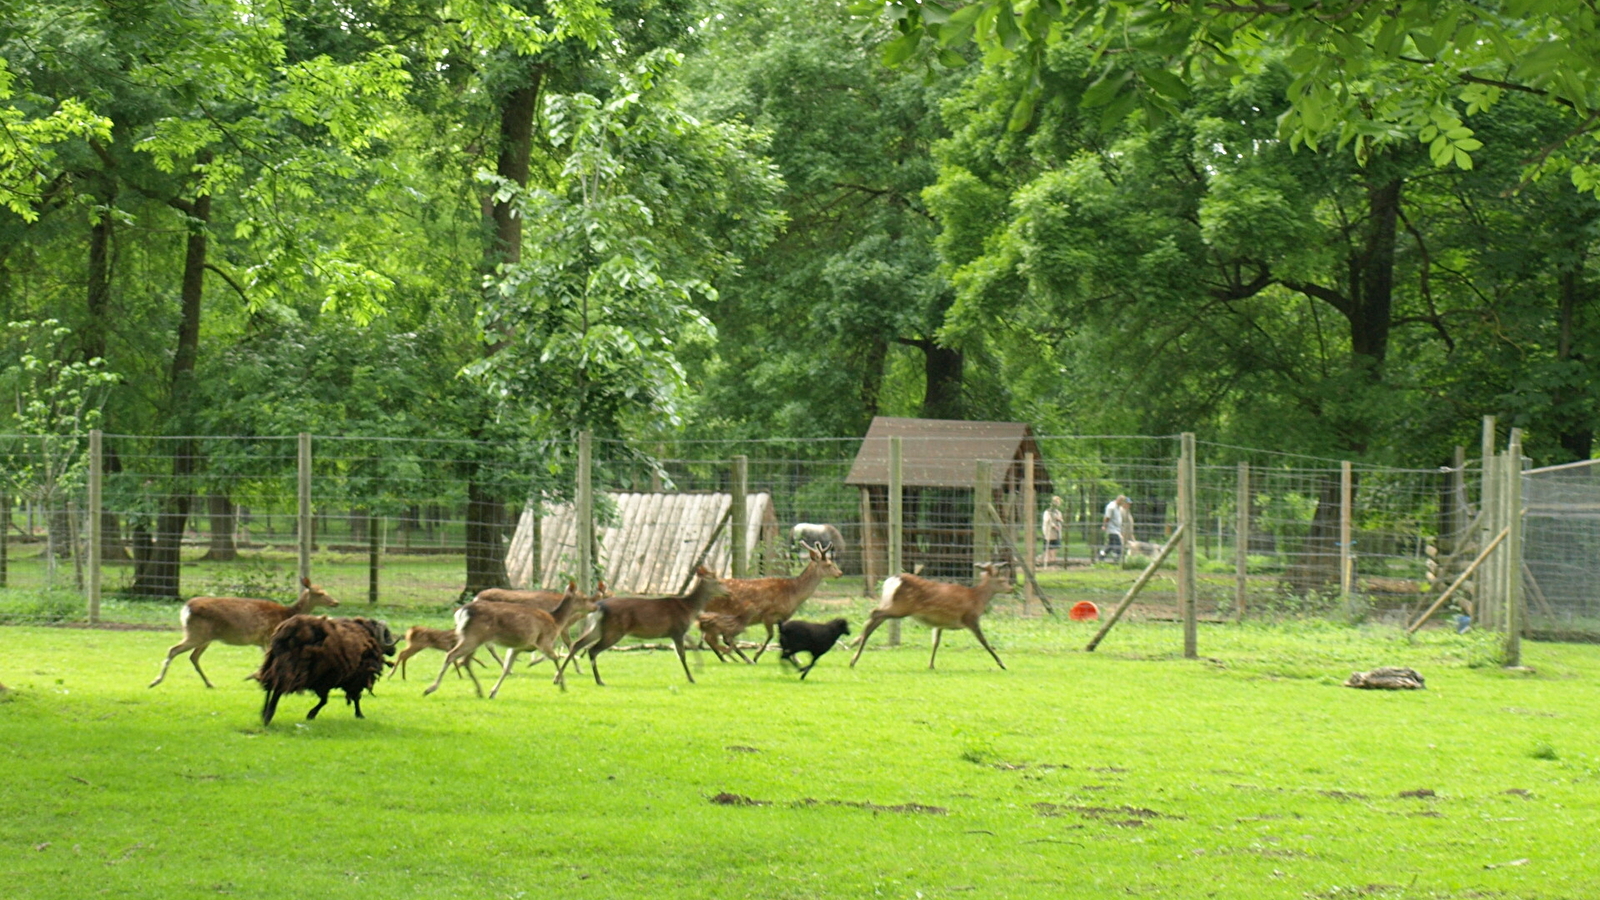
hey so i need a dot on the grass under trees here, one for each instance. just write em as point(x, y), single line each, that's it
point(1128, 772)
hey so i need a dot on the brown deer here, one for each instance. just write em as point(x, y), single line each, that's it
point(514, 626)
point(646, 617)
point(938, 604)
point(774, 600)
point(548, 601)
point(236, 620)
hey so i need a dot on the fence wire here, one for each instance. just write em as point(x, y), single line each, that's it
point(419, 524)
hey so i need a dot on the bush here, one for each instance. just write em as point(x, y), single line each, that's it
point(46, 605)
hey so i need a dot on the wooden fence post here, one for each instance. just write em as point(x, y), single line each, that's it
point(1187, 601)
point(739, 539)
point(374, 548)
point(1030, 512)
point(1516, 615)
point(1488, 487)
point(897, 522)
point(982, 527)
point(96, 491)
point(1346, 576)
point(585, 512)
point(868, 578)
point(303, 498)
point(1241, 549)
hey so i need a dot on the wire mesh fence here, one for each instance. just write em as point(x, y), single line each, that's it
point(421, 524)
point(1562, 549)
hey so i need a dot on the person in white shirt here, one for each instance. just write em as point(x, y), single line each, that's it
point(1054, 526)
point(1116, 517)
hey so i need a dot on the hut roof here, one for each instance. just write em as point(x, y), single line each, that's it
point(940, 452)
point(652, 545)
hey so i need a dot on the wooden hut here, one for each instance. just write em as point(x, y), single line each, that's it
point(939, 465)
point(651, 544)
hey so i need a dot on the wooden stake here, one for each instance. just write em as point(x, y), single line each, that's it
point(1138, 585)
point(1187, 582)
point(1030, 512)
point(1345, 490)
point(1241, 549)
point(1516, 614)
point(585, 513)
point(739, 537)
point(867, 549)
point(897, 522)
point(1027, 567)
point(303, 501)
point(96, 490)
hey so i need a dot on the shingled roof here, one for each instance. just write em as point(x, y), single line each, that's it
point(941, 452)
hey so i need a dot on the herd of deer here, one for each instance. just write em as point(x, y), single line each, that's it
point(722, 608)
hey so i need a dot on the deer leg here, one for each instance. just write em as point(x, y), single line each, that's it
point(734, 646)
point(511, 655)
point(400, 663)
point(548, 648)
point(873, 621)
point(677, 642)
point(584, 640)
point(455, 657)
point(493, 655)
point(763, 648)
point(978, 632)
point(194, 658)
point(172, 653)
point(322, 699)
point(937, 633)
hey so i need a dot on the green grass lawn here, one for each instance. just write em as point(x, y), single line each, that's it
point(1128, 772)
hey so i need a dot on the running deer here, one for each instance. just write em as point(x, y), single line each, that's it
point(721, 630)
point(548, 601)
point(236, 620)
point(514, 626)
point(774, 600)
point(646, 617)
point(938, 604)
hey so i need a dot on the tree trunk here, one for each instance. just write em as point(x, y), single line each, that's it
point(942, 368)
point(1316, 564)
point(1372, 278)
point(157, 575)
point(486, 558)
point(223, 515)
point(871, 368)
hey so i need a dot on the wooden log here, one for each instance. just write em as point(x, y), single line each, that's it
point(1138, 585)
point(1027, 569)
point(1458, 582)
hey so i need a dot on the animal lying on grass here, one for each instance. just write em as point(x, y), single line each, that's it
point(815, 638)
point(322, 654)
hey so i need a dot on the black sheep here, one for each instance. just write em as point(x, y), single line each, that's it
point(815, 638)
point(322, 654)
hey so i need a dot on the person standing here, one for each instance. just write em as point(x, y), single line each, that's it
point(1054, 526)
point(1118, 514)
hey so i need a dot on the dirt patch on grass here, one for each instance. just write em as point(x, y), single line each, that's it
point(1120, 816)
point(727, 798)
point(737, 748)
point(1018, 767)
point(1419, 793)
point(1524, 793)
point(1343, 795)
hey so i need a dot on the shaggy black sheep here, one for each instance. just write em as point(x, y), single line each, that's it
point(815, 638)
point(322, 654)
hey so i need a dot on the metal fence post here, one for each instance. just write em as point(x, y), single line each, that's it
point(96, 489)
point(896, 523)
point(1186, 556)
point(585, 513)
point(740, 522)
point(304, 502)
point(1241, 549)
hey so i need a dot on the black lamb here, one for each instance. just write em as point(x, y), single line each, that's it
point(815, 638)
point(322, 654)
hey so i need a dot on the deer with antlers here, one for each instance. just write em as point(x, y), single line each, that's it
point(939, 605)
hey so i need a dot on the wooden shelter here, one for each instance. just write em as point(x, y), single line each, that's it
point(651, 545)
point(939, 471)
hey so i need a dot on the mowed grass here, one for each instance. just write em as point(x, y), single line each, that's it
point(1127, 772)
